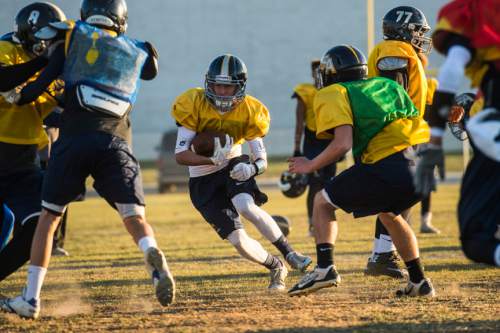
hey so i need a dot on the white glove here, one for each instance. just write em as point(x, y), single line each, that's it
point(221, 153)
point(12, 96)
point(243, 171)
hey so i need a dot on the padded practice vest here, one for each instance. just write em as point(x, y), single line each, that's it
point(111, 65)
point(375, 103)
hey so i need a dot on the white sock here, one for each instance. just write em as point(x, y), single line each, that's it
point(36, 275)
point(496, 256)
point(384, 244)
point(146, 242)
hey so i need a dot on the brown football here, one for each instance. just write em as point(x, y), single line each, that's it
point(203, 142)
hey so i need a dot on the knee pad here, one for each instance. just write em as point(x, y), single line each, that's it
point(129, 210)
point(6, 226)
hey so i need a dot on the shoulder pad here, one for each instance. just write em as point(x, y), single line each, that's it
point(392, 63)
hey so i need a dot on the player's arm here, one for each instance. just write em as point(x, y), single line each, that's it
point(15, 75)
point(150, 69)
point(394, 68)
point(337, 148)
point(300, 112)
point(184, 155)
point(53, 70)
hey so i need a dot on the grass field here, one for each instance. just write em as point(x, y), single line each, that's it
point(103, 286)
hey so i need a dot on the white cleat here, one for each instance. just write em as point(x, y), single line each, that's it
point(164, 283)
point(423, 288)
point(21, 307)
point(278, 276)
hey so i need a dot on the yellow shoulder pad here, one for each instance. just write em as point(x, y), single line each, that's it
point(184, 109)
point(259, 122)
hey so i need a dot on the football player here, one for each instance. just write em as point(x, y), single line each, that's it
point(305, 124)
point(399, 57)
point(377, 119)
point(21, 130)
point(94, 137)
point(223, 187)
point(468, 35)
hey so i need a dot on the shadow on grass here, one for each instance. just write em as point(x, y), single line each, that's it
point(457, 267)
point(452, 326)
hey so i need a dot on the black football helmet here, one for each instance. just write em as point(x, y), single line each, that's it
point(226, 69)
point(341, 63)
point(293, 185)
point(462, 105)
point(283, 223)
point(408, 24)
point(32, 18)
point(106, 14)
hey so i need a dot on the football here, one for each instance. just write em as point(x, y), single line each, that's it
point(203, 142)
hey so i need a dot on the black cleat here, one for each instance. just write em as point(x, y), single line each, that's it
point(385, 264)
point(317, 279)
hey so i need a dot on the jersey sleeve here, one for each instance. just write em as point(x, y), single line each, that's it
point(259, 122)
point(184, 112)
point(8, 53)
point(332, 109)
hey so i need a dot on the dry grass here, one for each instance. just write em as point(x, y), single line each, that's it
point(103, 286)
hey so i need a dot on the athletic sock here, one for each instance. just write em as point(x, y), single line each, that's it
point(283, 246)
point(324, 253)
point(415, 270)
point(36, 275)
point(272, 262)
point(146, 242)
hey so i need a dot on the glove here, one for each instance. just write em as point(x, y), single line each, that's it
point(221, 153)
point(243, 172)
point(12, 96)
point(431, 156)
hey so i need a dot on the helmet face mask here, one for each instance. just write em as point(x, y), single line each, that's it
point(341, 63)
point(406, 23)
point(105, 14)
point(227, 70)
point(30, 19)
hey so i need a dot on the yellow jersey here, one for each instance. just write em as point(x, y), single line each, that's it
point(417, 82)
point(307, 92)
point(22, 125)
point(332, 109)
point(249, 120)
point(432, 85)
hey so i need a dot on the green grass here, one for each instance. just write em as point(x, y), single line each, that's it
point(103, 286)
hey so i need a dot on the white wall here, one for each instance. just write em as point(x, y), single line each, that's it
point(275, 38)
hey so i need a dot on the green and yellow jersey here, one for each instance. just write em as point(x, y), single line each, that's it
point(383, 117)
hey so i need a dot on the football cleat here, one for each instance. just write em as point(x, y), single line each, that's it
point(385, 264)
point(423, 288)
point(163, 281)
point(23, 308)
point(278, 276)
point(59, 251)
point(298, 261)
point(319, 278)
point(426, 226)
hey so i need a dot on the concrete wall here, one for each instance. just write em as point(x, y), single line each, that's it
point(275, 38)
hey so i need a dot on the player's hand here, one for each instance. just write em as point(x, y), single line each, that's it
point(300, 165)
point(12, 96)
point(221, 152)
point(243, 172)
point(431, 157)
